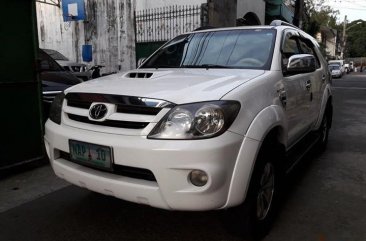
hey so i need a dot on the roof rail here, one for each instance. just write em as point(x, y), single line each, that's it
point(281, 23)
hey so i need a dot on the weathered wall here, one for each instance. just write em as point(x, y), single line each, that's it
point(222, 13)
point(256, 6)
point(108, 28)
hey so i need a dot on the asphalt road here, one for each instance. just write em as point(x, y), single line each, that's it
point(325, 198)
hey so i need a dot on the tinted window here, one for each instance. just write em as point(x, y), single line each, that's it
point(47, 63)
point(55, 55)
point(225, 49)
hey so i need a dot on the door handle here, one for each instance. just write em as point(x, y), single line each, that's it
point(323, 77)
point(308, 85)
point(283, 97)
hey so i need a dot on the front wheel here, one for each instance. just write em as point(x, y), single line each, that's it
point(258, 211)
point(323, 131)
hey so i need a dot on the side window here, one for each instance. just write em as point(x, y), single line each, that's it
point(290, 47)
point(307, 48)
point(47, 63)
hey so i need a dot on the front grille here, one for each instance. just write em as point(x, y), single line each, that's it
point(142, 110)
point(128, 109)
point(110, 123)
point(79, 104)
point(126, 171)
point(131, 112)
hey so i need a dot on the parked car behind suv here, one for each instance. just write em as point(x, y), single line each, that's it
point(54, 80)
point(335, 70)
point(212, 120)
point(78, 69)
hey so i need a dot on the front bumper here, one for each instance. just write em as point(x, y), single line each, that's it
point(170, 161)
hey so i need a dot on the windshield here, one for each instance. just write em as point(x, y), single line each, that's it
point(55, 55)
point(334, 67)
point(250, 49)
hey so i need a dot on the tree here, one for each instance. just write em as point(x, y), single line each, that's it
point(318, 14)
point(356, 39)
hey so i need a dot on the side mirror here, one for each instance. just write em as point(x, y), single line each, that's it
point(140, 62)
point(301, 63)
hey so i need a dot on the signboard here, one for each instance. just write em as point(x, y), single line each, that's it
point(73, 10)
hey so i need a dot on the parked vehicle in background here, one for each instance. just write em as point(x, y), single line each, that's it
point(78, 69)
point(340, 62)
point(346, 68)
point(212, 120)
point(351, 66)
point(54, 80)
point(335, 70)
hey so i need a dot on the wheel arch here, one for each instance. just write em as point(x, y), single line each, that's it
point(269, 126)
point(326, 105)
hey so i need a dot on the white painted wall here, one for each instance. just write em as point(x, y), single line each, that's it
point(109, 29)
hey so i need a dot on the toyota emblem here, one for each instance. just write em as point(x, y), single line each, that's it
point(98, 111)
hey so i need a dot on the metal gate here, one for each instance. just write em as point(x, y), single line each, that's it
point(156, 26)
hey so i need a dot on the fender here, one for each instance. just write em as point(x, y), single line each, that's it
point(326, 94)
point(267, 119)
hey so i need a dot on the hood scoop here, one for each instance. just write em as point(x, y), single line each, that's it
point(139, 75)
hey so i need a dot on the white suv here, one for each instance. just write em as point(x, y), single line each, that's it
point(210, 121)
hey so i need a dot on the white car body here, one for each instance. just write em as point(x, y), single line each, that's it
point(340, 62)
point(228, 159)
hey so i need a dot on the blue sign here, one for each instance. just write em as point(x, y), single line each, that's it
point(73, 10)
point(87, 53)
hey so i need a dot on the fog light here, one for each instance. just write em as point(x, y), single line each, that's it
point(198, 178)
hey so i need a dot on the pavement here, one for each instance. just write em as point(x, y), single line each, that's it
point(28, 184)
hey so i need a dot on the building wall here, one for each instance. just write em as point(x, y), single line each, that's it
point(109, 28)
point(224, 12)
point(256, 6)
point(328, 37)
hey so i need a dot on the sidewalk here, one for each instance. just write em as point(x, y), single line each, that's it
point(27, 185)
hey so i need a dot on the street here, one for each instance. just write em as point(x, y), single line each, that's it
point(325, 197)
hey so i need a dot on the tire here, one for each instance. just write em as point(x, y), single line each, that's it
point(323, 131)
point(256, 214)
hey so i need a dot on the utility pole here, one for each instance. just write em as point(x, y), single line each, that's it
point(344, 36)
point(299, 8)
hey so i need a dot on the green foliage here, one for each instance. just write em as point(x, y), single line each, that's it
point(318, 14)
point(356, 39)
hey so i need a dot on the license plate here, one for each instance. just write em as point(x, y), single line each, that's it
point(91, 155)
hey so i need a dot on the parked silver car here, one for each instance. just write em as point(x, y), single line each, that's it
point(78, 69)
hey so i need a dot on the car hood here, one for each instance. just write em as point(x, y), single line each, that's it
point(177, 85)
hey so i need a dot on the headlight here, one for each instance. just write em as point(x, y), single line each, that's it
point(196, 121)
point(56, 108)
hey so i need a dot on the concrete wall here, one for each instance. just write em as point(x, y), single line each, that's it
point(255, 6)
point(222, 12)
point(108, 28)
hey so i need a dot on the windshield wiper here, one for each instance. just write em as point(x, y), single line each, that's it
point(207, 66)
